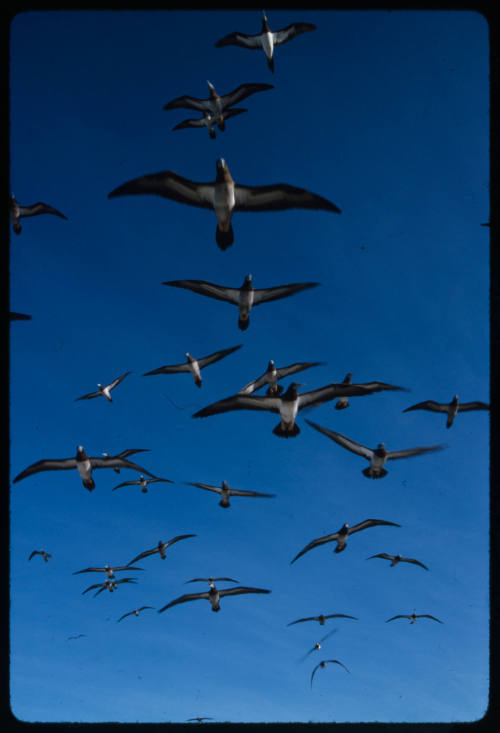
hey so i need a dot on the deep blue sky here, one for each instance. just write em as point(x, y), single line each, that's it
point(385, 114)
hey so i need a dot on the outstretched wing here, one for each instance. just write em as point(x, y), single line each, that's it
point(297, 367)
point(207, 487)
point(342, 440)
point(383, 555)
point(219, 292)
point(241, 492)
point(467, 406)
point(241, 402)
point(240, 39)
point(370, 523)
point(126, 483)
point(39, 208)
point(176, 539)
point(240, 590)
point(89, 396)
point(400, 615)
point(277, 197)
point(48, 464)
point(265, 295)
point(117, 381)
point(117, 462)
point(188, 102)
point(428, 405)
point(146, 553)
point(427, 615)
point(206, 360)
point(316, 543)
point(171, 186)
point(415, 562)
point(292, 30)
point(409, 452)
point(242, 92)
point(184, 599)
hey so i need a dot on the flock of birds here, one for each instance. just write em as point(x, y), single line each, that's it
point(225, 197)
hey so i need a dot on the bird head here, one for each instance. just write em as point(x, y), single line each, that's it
point(348, 378)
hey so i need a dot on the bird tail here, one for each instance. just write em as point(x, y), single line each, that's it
point(340, 548)
point(197, 381)
point(224, 504)
point(369, 473)
point(270, 63)
point(222, 124)
point(17, 227)
point(216, 608)
point(273, 391)
point(211, 132)
point(224, 239)
point(449, 421)
point(278, 430)
point(341, 404)
point(243, 323)
point(89, 483)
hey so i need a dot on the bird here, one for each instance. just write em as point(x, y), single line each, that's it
point(213, 595)
point(198, 719)
point(104, 390)
point(216, 104)
point(17, 212)
point(323, 665)
point(143, 482)
point(211, 580)
point(125, 454)
point(321, 618)
point(111, 585)
point(317, 646)
point(83, 463)
point(209, 120)
point(266, 39)
point(194, 365)
point(450, 409)
point(398, 558)
point(135, 612)
point(224, 196)
point(343, 402)
point(342, 534)
point(273, 374)
point(78, 636)
point(377, 456)
point(287, 405)
point(110, 571)
point(413, 617)
point(44, 554)
point(245, 298)
point(161, 547)
point(18, 316)
point(225, 492)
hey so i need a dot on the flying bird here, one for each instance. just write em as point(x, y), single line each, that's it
point(398, 558)
point(224, 196)
point(83, 463)
point(341, 536)
point(110, 571)
point(323, 665)
point(321, 618)
point(111, 585)
point(143, 482)
point(377, 456)
point(287, 405)
point(273, 374)
point(18, 316)
point(213, 595)
point(78, 636)
point(245, 298)
point(343, 402)
point(413, 617)
point(266, 39)
point(135, 612)
point(44, 554)
point(317, 646)
point(225, 492)
point(450, 408)
point(17, 212)
point(199, 720)
point(216, 104)
point(211, 580)
point(194, 365)
point(161, 547)
point(104, 390)
point(209, 120)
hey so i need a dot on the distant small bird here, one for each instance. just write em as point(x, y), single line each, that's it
point(111, 585)
point(199, 720)
point(286, 405)
point(225, 492)
point(343, 402)
point(217, 104)
point(209, 120)
point(377, 456)
point(413, 617)
point(78, 636)
point(398, 558)
point(317, 646)
point(135, 612)
point(451, 408)
point(224, 196)
point(110, 571)
point(245, 298)
point(323, 664)
point(273, 374)
point(83, 463)
point(104, 390)
point(143, 482)
point(161, 548)
point(44, 554)
point(17, 212)
point(343, 533)
point(213, 595)
point(194, 365)
point(211, 580)
point(321, 618)
point(266, 39)
point(486, 224)
point(18, 316)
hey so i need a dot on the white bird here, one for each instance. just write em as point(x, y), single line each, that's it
point(104, 390)
point(194, 365)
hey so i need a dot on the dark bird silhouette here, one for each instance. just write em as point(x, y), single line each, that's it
point(17, 212)
point(161, 548)
point(450, 408)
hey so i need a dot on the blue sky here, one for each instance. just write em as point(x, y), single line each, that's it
point(386, 115)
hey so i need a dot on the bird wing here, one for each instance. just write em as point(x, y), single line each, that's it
point(184, 599)
point(341, 615)
point(400, 615)
point(219, 292)
point(206, 580)
point(240, 39)
point(189, 103)
point(384, 555)
point(146, 553)
point(169, 369)
point(19, 316)
point(427, 615)
point(409, 452)
point(415, 562)
point(297, 367)
point(90, 570)
point(125, 615)
point(126, 580)
point(241, 492)
point(254, 385)
point(125, 567)
point(126, 483)
point(176, 539)
point(370, 523)
point(171, 186)
point(279, 196)
point(316, 543)
point(292, 30)
point(39, 208)
point(48, 464)
point(329, 392)
point(117, 461)
point(428, 405)
point(342, 440)
point(382, 386)
point(241, 92)
point(196, 122)
point(241, 402)
point(89, 396)
point(156, 479)
point(240, 590)
point(130, 451)
point(143, 608)
point(207, 487)
point(467, 406)
point(96, 585)
point(212, 358)
point(300, 620)
point(35, 552)
point(117, 381)
point(265, 295)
